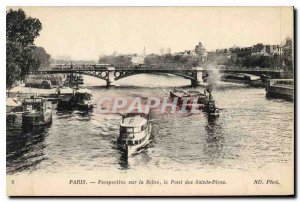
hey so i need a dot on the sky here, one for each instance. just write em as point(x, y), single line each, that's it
point(85, 33)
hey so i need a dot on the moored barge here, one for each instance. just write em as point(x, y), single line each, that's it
point(281, 88)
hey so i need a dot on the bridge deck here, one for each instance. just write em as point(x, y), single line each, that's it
point(160, 70)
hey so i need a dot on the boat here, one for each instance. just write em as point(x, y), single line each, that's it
point(211, 109)
point(13, 105)
point(14, 111)
point(281, 88)
point(83, 99)
point(74, 80)
point(80, 79)
point(36, 112)
point(66, 102)
point(135, 131)
point(210, 105)
point(189, 95)
point(201, 96)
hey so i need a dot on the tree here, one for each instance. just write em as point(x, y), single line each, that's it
point(20, 28)
point(20, 34)
point(13, 56)
point(288, 53)
point(42, 56)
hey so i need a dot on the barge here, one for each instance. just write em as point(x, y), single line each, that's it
point(280, 88)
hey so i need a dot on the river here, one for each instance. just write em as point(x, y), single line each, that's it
point(251, 132)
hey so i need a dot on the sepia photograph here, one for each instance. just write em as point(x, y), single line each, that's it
point(150, 101)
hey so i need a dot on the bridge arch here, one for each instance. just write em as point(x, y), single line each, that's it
point(194, 76)
point(98, 74)
point(123, 74)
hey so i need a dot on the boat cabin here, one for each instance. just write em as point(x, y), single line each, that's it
point(131, 127)
point(83, 94)
point(34, 104)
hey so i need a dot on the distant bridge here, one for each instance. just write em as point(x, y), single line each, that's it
point(111, 74)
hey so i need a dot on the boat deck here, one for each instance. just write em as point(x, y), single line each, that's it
point(133, 121)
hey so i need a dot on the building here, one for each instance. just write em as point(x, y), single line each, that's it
point(137, 59)
point(200, 51)
point(267, 50)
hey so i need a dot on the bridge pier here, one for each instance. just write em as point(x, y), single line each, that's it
point(198, 79)
point(110, 81)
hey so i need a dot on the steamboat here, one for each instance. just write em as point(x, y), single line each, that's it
point(81, 99)
point(84, 99)
point(135, 131)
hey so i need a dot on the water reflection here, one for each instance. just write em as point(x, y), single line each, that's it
point(140, 157)
point(25, 149)
point(214, 140)
point(123, 161)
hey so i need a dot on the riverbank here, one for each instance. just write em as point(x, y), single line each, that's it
point(22, 91)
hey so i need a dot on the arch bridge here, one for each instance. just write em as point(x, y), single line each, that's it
point(111, 74)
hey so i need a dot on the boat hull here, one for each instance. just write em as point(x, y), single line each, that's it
point(84, 106)
point(35, 120)
point(285, 92)
point(14, 120)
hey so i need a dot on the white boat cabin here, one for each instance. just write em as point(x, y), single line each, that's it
point(33, 105)
point(133, 128)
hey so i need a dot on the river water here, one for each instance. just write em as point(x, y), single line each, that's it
point(251, 132)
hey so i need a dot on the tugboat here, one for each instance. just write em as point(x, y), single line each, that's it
point(83, 99)
point(211, 109)
point(36, 112)
point(65, 102)
point(210, 106)
point(135, 130)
